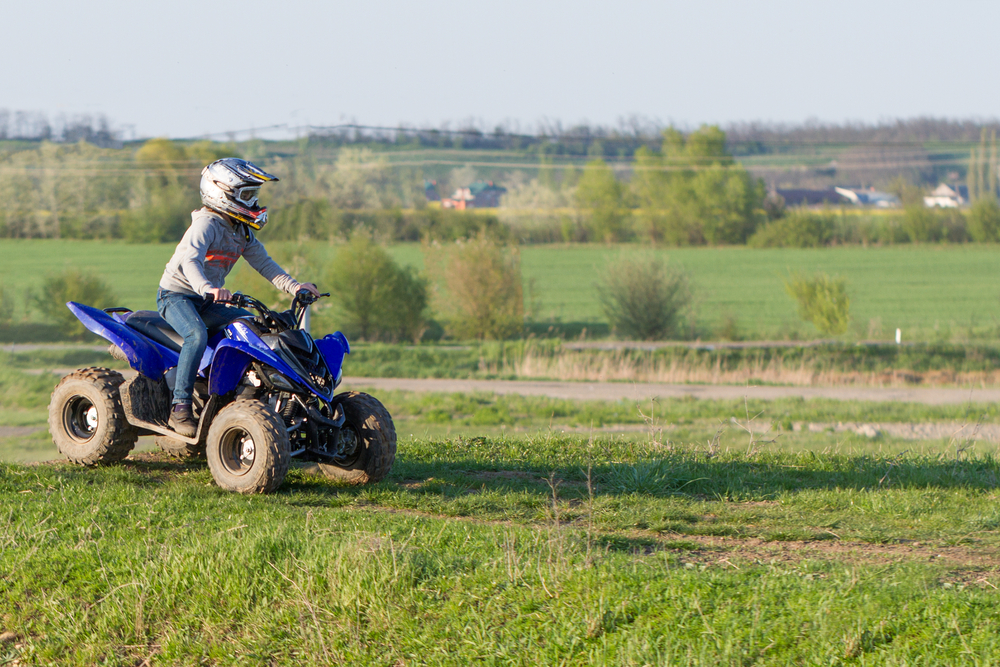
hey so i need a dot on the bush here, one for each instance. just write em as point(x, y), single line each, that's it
point(72, 285)
point(6, 306)
point(485, 294)
point(376, 299)
point(797, 229)
point(643, 298)
point(984, 221)
point(822, 300)
point(921, 224)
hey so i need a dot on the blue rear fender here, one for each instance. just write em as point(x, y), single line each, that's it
point(144, 355)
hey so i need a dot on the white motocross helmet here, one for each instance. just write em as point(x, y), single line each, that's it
point(231, 185)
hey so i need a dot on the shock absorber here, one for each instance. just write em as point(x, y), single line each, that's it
point(291, 411)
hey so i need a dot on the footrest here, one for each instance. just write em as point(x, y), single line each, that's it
point(163, 429)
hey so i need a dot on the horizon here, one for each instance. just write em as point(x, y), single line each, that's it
point(43, 126)
point(188, 70)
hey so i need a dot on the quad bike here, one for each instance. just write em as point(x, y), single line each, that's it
point(264, 394)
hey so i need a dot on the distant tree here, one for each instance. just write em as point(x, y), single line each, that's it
point(692, 191)
point(600, 193)
point(982, 178)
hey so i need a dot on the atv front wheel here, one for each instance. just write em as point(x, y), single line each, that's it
point(370, 427)
point(87, 420)
point(247, 448)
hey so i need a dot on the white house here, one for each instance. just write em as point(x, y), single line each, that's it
point(944, 196)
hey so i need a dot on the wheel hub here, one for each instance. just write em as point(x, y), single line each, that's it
point(90, 418)
point(238, 451)
point(247, 450)
point(80, 418)
point(347, 444)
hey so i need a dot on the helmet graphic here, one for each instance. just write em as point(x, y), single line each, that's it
point(230, 186)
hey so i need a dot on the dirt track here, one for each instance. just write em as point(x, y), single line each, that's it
point(614, 391)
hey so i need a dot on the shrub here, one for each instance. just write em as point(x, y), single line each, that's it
point(485, 294)
point(6, 306)
point(984, 221)
point(797, 229)
point(921, 224)
point(72, 285)
point(376, 299)
point(643, 298)
point(822, 300)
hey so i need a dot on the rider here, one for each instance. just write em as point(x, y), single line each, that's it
point(220, 233)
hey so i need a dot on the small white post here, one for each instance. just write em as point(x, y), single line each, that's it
point(306, 322)
point(899, 336)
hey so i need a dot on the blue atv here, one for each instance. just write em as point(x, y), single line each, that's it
point(264, 394)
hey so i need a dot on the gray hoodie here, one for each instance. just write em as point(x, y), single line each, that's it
point(209, 249)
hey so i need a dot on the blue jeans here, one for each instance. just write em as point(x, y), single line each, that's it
point(192, 317)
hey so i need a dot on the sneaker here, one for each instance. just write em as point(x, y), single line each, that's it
point(182, 420)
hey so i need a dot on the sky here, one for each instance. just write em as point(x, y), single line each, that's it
point(191, 68)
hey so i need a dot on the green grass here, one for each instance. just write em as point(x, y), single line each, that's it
point(930, 292)
point(467, 555)
point(486, 546)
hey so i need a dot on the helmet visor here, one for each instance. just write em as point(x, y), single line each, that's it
point(248, 195)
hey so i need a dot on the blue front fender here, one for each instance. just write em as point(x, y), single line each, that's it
point(231, 360)
point(333, 347)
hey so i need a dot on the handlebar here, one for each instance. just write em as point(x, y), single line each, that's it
point(303, 298)
point(307, 298)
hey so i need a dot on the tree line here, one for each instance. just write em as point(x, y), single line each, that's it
point(687, 189)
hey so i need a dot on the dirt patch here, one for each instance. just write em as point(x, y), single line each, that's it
point(959, 431)
point(701, 548)
point(19, 431)
point(635, 391)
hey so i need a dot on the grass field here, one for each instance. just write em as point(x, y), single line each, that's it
point(930, 292)
point(506, 551)
point(516, 531)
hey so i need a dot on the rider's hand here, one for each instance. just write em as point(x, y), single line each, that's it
point(312, 289)
point(219, 293)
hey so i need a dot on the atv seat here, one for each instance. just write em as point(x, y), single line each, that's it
point(150, 324)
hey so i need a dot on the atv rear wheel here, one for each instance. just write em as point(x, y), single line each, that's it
point(87, 420)
point(247, 448)
point(370, 424)
point(180, 448)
